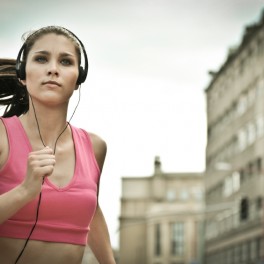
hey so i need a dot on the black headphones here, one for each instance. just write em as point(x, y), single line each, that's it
point(21, 65)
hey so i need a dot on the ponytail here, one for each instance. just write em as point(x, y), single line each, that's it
point(13, 94)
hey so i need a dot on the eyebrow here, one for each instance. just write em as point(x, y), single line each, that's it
point(48, 53)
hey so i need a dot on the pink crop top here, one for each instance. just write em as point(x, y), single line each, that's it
point(65, 213)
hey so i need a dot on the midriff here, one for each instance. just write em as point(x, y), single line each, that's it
point(39, 252)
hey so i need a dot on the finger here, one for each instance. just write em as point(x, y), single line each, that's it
point(37, 157)
point(44, 162)
point(46, 150)
point(43, 171)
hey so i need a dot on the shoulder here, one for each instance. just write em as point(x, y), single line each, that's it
point(2, 132)
point(2, 127)
point(99, 148)
point(3, 144)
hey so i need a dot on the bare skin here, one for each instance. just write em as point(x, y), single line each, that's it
point(40, 252)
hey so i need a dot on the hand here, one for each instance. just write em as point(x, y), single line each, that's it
point(40, 164)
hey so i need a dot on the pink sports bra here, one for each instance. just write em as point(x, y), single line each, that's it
point(65, 213)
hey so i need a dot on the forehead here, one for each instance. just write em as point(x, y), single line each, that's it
point(52, 42)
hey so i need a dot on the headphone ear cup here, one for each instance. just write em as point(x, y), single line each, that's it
point(21, 71)
point(81, 77)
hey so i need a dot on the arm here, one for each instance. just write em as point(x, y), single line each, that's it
point(99, 239)
point(13, 200)
point(40, 163)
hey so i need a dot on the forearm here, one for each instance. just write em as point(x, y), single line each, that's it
point(99, 239)
point(40, 164)
point(12, 201)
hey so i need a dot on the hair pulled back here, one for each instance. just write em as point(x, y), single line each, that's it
point(13, 94)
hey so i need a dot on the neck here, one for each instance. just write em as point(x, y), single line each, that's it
point(47, 126)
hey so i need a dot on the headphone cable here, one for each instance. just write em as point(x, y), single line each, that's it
point(32, 229)
point(40, 194)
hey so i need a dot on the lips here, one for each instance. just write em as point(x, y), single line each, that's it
point(52, 83)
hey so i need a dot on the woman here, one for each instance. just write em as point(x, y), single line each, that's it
point(49, 170)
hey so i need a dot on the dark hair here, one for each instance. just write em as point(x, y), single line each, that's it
point(13, 94)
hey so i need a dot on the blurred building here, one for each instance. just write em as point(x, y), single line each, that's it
point(161, 216)
point(234, 180)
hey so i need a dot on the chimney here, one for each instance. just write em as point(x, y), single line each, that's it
point(158, 182)
point(157, 166)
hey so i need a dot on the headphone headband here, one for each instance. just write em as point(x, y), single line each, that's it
point(21, 66)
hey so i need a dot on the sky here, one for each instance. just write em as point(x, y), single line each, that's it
point(148, 71)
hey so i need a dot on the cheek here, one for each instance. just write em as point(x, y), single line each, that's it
point(31, 74)
point(73, 77)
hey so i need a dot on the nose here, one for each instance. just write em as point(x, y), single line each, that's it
point(53, 68)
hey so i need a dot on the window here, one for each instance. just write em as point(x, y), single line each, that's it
point(251, 96)
point(177, 239)
point(231, 184)
point(228, 186)
point(259, 203)
point(259, 126)
point(237, 255)
point(251, 133)
point(157, 240)
point(241, 66)
point(244, 209)
point(197, 193)
point(229, 256)
point(259, 166)
point(259, 46)
point(253, 250)
point(171, 195)
point(242, 104)
point(236, 181)
point(242, 176)
point(260, 87)
point(258, 246)
point(245, 252)
point(184, 195)
point(242, 139)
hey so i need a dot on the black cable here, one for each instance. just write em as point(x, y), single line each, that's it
point(32, 229)
point(40, 195)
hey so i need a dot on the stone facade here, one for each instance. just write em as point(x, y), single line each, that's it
point(234, 180)
point(161, 218)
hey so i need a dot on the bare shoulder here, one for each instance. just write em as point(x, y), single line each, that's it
point(2, 138)
point(3, 144)
point(99, 148)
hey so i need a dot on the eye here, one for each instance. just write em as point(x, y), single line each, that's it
point(41, 59)
point(66, 62)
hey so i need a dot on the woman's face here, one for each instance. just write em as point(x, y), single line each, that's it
point(52, 69)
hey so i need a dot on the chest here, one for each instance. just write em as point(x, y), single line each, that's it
point(75, 160)
point(64, 168)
